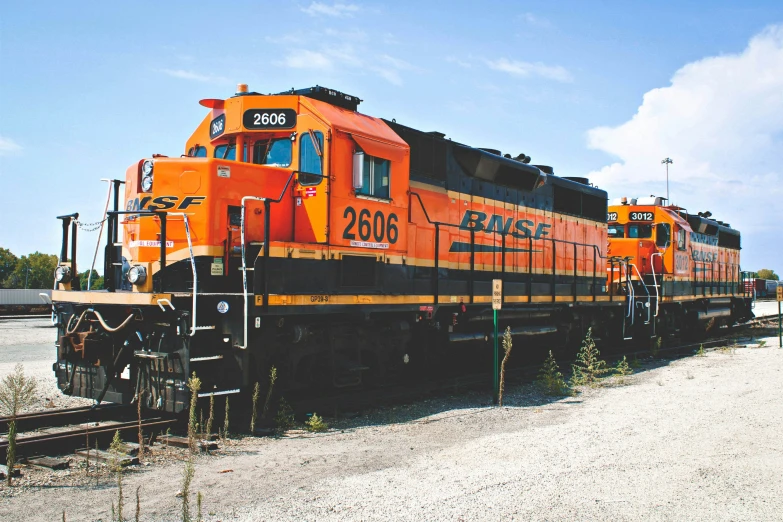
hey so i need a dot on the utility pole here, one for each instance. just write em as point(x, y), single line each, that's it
point(667, 162)
point(26, 275)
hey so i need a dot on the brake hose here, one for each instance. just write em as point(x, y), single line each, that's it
point(100, 320)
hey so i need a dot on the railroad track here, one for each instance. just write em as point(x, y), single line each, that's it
point(62, 432)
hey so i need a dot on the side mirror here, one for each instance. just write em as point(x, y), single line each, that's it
point(358, 170)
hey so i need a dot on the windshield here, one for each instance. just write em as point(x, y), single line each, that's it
point(276, 153)
point(639, 231)
point(616, 230)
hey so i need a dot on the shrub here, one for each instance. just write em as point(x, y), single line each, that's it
point(588, 368)
point(622, 370)
point(194, 385)
point(284, 420)
point(17, 391)
point(507, 345)
point(272, 379)
point(187, 477)
point(256, 392)
point(117, 450)
point(550, 379)
point(656, 347)
point(316, 423)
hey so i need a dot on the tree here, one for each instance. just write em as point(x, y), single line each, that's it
point(96, 283)
point(8, 263)
point(766, 273)
point(36, 270)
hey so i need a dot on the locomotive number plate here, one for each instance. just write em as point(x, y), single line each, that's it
point(640, 216)
point(217, 127)
point(611, 216)
point(269, 119)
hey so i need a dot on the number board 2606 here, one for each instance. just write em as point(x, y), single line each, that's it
point(269, 119)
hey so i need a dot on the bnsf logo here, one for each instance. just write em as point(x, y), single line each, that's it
point(163, 203)
point(523, 228)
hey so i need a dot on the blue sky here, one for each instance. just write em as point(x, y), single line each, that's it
point(605, 89)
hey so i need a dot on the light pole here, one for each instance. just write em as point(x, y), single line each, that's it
point(26, 275)
point(667, 161)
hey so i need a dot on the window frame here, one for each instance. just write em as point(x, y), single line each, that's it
point(320, 137)
point(369, 160)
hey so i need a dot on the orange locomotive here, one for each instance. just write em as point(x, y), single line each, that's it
point(683, 269)
point(341, 248)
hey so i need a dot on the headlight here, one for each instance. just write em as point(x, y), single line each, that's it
point(62, 274)
point(146, 168)
point(146, 183)
point(137, 274)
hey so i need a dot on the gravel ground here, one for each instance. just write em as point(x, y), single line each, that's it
point(693, 439)
point(30, 342)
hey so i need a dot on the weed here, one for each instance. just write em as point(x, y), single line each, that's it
point(272, 379)
point(550, 379)
point(622, 370)
point(762, 344)
point(256, 393)
point(588, 368)
point(187, 477)
point(700, 352)
point(225, 422)
point(117, 449)
point(635, 363)
point(194, 385)
point(17, 391)
point(199, 498)
point(141, 434)
point(656, 347)
point(507, 345)
point(138, 505)
point(316, 423)
point(284, 420)
point(211, 414)
point(729, 350)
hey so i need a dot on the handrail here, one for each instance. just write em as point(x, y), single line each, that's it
point(193, 322)
point(244, 264)
point(655, 281)
point(643, 286)
point(595, 248)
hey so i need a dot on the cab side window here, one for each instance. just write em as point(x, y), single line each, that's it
point(310, 154)
point(680, 239)
point(662, 235)
point(375, 177)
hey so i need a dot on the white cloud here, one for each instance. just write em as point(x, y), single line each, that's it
point(337, 9)
point(190, 75)
point(519, 68)
point(306, 59)
point(532, 19)
point(8, 146)
point(465, 64)
point(721, 121)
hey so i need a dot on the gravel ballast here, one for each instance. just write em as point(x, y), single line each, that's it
point(693, 439)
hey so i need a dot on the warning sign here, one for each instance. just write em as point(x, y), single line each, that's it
point(780, 293)
point(497, 294)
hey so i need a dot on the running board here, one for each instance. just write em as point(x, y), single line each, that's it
point(221, 392)
point(208, 358)
point(205, 328)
